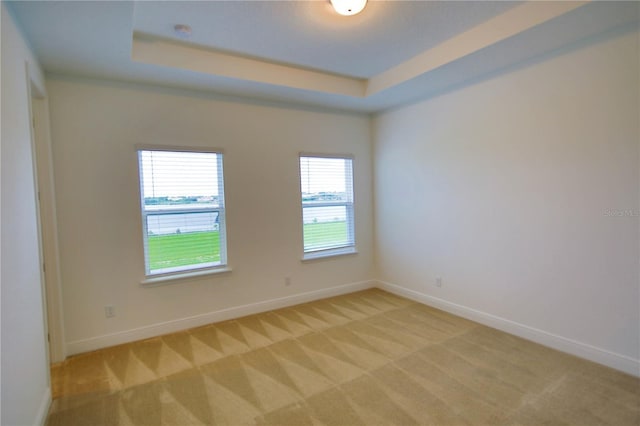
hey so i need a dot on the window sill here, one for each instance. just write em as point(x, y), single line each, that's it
point(168, 279)
point(327, 254)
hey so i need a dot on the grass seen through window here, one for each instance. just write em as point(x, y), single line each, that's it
point(193, 248)
point(325, 234)
point(174, 250)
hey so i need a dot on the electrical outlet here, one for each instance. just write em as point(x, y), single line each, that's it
point(439, 282)
point(287, 281)
point(109, 311)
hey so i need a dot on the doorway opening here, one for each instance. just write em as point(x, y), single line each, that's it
point(46, 216)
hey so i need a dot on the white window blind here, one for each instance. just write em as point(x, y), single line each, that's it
point(183, 220)
point(326, 185)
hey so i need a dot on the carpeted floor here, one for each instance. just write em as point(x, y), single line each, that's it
point(366, 358)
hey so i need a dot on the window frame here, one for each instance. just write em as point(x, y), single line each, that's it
point(350, 246)
point(185, 271)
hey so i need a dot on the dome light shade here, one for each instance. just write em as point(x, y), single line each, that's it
point(348, 7)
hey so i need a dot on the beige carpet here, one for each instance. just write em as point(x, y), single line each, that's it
point(367, 358)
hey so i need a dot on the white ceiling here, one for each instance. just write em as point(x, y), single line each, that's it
point(301, 51)
point(310, 34)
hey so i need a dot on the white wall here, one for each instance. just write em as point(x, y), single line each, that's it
point(502, 189)
point(95, 126)
point(25, 375)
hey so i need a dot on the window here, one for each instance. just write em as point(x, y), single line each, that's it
point(183, 221)
point(326, 184)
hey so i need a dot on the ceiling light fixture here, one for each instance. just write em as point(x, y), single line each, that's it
point(348, 7)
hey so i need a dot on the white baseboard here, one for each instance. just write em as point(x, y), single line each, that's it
point(43, 410)
point(582, 350)
point(86, 345)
